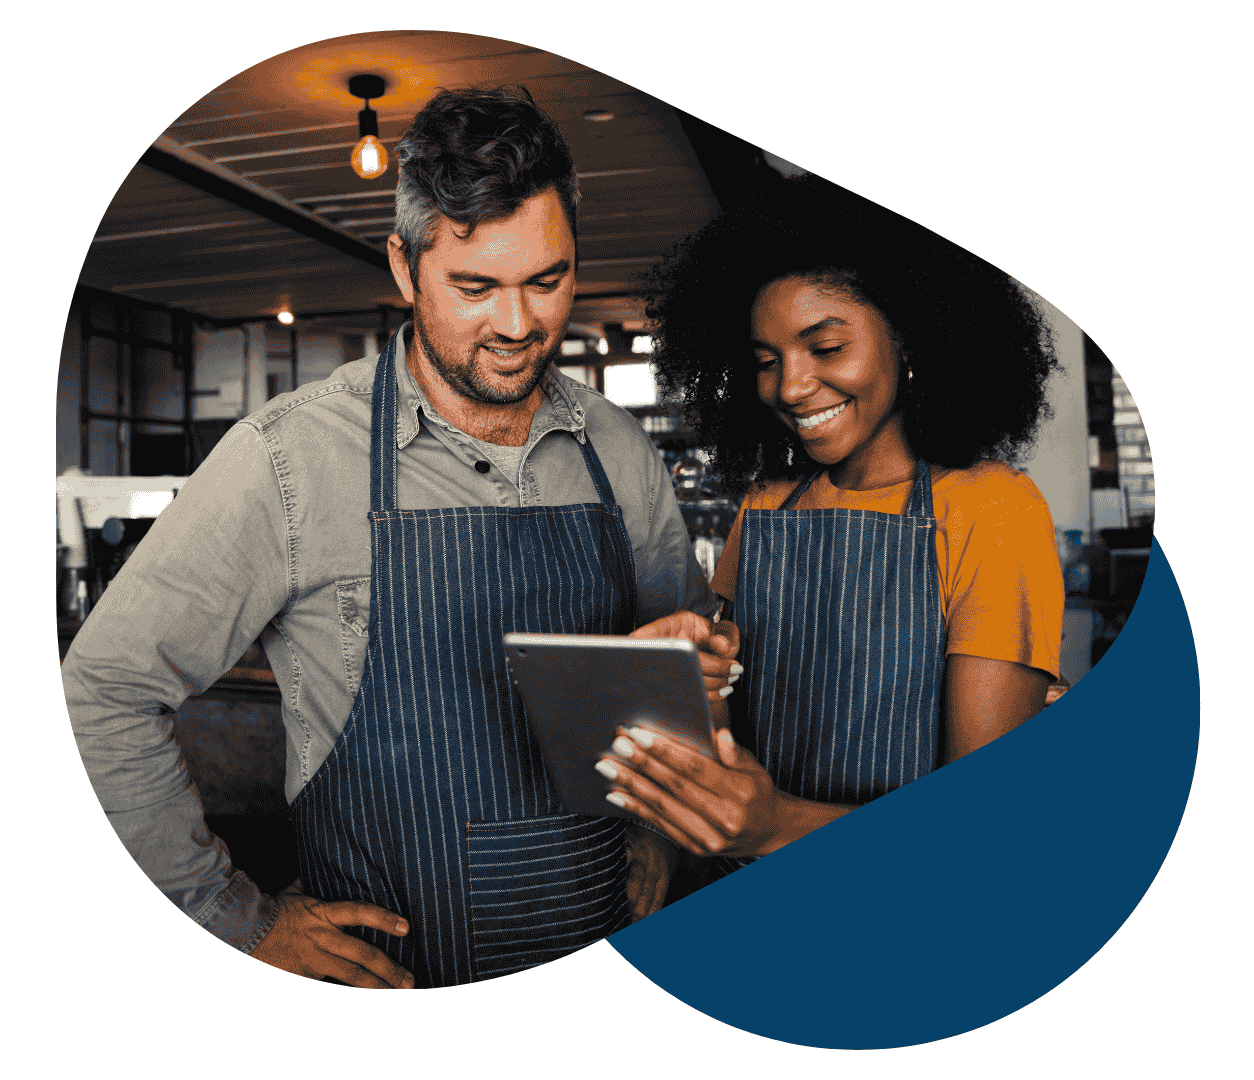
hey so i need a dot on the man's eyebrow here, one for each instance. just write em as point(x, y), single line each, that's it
point(469, 277)
point(559, 267)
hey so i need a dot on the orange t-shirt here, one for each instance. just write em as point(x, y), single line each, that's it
point(1000, 579)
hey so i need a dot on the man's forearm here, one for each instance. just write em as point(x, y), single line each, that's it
point(192, 867)
point(182, 609)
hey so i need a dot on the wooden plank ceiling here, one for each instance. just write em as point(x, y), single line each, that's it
point(247, 203)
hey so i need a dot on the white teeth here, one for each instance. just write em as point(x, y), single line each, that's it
point(807, 422)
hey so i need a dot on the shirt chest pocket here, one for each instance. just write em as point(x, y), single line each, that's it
point(352, 597)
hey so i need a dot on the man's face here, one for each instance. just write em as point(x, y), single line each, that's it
point(490, 310)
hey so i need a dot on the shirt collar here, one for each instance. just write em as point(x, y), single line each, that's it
point(558, 411)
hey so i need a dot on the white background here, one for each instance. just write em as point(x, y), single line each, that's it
point(1094, 151)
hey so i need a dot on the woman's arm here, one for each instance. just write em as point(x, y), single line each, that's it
point(986, 698)
point(731, 807)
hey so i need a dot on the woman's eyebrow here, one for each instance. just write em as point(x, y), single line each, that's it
point(822, 324)
point(809, 331)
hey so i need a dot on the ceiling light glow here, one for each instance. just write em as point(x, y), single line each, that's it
point(369, 159)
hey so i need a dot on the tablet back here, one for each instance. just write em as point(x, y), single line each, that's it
point(579, 690)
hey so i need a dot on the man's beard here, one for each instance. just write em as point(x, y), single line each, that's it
point(466, 378)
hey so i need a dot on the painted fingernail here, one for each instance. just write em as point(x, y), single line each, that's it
point(622, 746)
point(615, 798)
point(643, 737)
point(725, 691)
point(736, 669)
point(732, 679)
point(402, 927)
point(606, 769)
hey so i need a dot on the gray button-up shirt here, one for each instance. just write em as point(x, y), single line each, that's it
point(269, 538)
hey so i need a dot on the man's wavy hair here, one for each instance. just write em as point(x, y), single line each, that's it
point(477, 155)
point(977, 345)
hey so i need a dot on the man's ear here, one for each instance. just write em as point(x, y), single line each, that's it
point(400, 267)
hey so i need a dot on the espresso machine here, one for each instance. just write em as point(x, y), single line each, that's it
point(100, 519)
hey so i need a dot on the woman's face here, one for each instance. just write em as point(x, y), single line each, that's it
point(827, 367)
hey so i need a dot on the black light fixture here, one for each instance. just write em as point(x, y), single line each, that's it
point(369, 158)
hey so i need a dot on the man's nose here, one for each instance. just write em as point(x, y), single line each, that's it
point(513, 317)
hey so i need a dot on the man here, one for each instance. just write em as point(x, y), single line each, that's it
point(381, 531)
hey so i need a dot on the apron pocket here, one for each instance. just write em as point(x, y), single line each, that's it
point(543, 887)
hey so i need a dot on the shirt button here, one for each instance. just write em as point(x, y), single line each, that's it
point(482, 466)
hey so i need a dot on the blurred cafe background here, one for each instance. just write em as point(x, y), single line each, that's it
point(244, 256)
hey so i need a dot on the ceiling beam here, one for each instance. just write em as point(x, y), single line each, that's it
point(735, 170)
point(292, 218)
point(171, 230)
point(286, 151)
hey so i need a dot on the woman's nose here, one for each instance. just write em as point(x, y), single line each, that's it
point(797, 379)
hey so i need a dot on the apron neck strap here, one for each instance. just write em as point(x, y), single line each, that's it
point(920, 502)
point(383, 431)
point(799, 490)
point(602, 482)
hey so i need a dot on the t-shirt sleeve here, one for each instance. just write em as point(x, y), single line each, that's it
point(1006, 595)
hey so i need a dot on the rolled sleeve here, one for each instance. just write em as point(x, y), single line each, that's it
point(210, 574)
point(670, 579)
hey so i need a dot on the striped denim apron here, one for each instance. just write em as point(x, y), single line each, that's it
point(843, 647)
point(434, 802)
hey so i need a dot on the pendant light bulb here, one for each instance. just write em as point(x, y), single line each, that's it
point(369, 158)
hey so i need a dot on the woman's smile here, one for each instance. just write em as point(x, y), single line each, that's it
point(808, 423)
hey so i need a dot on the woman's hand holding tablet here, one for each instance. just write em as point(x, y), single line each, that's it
point(728, 807)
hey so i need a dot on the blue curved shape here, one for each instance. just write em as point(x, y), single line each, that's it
point(964, 896)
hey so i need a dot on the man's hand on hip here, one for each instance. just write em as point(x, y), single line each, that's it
point(306, 939)
point(651, 860)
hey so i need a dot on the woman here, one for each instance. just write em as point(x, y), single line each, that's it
point(896, 583)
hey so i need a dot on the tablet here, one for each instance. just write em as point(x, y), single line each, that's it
point(580, 689)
